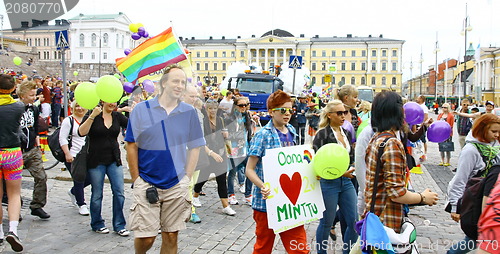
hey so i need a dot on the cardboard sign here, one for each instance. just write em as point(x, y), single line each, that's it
point(295, 197)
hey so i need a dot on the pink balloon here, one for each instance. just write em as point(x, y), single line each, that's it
point(148, 85)
point(127, 51)
point(414, 114)
point(128, 87)
point(135, 36)
point(439, 131)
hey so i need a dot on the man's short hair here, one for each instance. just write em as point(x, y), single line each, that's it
point(166, 71)
point(6, 83)
point(25, 86)
point(277, 98)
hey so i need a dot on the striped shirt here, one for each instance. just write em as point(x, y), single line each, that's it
point(391, 183)
point(265, 138)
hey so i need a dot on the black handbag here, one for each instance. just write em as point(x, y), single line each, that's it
point(447, 146)
point(79, 165)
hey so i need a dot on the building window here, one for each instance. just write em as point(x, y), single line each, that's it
point(363, 66)
point(342, 66)
point(223, 53)
point(323, 80)
point(363, 81)
point(313, 66)
point(94, 40)
point(353, 80)
point(206, 66)
point(197, 66)
point(302, 53)
point(363, 52)
point(374, 52)
point(242, 53)
point(383, 81)
point(55, 53)
point(271, 53)
point(353, 66)
point(384, 53)
point(117, 41)
point(373, 80)
point(353, 52)
point(206, 54)
point(123, 41)
point(198, 54)
point(81, 56)
point(254, 54)
point(334, 53)
point(374, 66)
point(281, 53)
point(394, 65)
point(313, 80)
point(394, 53)
point(105, 55)
point(92, 56)
point(224, 66)
point(263, 53)
point(82, 40)
point(342, 81)
point(384, 66)
point(215, 66)
point(232, 54)
point(215, 54)
point(105, 39)
point(393, 80)
point(343, 53)
point(333, 79)
point(323, 53)
point(314, 53)
point(323, 66)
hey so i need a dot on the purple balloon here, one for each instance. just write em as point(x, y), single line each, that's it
point(414, 114)
point(148, 85)
point(348, 126)
point(439, 131)
point(145, 34)
point(127, 51)
point(199, 83)
point(141, 31)
point(135, 36)
point(128, 87)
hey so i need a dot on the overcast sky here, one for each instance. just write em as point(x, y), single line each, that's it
point(416, 22)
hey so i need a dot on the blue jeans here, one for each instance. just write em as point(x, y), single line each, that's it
point(339, 192)
point(78, 187)
point(465, 246)
point(56, 110)
point(240, 170)
point(115, 176)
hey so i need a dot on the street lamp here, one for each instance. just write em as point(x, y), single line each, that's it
point(436, 69)
point(421, 61)
point(1, 18)
point(411, 79)
point(466, 28)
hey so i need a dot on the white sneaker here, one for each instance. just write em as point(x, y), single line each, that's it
point(248, 200)
point(73, 198)
point(242, 188)
point(196, 202)
point(232, 200)
point(83, 210)
point(229, 211)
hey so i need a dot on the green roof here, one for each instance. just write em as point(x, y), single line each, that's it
point(96, 16)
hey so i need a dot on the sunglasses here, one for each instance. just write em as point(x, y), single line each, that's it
point(243, 105)
point(283, 110)
point(340, 113)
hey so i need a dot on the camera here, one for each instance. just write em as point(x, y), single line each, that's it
point(152, 195)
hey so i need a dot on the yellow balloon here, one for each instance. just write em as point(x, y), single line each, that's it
point(133, 27)
point(86, 95)
point(17, 60)
point(139, 25)
point(109, 88)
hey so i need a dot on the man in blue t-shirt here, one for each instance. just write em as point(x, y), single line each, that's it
point(163, 138)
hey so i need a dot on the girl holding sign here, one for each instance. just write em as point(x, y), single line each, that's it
point(338, 191)
point(277, 133)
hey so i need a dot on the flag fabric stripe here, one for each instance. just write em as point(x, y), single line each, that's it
point(152, 55)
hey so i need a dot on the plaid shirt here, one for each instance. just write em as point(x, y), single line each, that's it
point(391, 182)
point(265, 138)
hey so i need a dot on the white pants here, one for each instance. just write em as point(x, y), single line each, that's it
point(46, 110)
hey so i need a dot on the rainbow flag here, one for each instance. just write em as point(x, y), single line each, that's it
point(152, 55)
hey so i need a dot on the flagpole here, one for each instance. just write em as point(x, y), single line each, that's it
point(191, 72)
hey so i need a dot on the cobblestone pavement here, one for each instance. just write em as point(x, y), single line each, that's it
point(68, 232)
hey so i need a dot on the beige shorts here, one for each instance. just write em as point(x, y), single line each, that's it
point(169, 214)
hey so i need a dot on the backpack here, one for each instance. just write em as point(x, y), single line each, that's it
point(55, 147)
point(471, 202)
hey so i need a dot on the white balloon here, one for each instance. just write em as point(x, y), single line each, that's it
point(302, 77)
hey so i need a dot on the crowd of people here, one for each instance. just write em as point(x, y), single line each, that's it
point(178, 136)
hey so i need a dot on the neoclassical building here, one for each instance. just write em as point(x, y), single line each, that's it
point(372, 61)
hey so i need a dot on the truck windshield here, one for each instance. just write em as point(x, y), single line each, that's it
point(250, 85)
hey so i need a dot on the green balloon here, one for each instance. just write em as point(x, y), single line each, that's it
point(116, 75)
point(17, 60)
point(362, 126)
point(86, 96)
point(223, 92)
point(75, 73)
point(331, 161)
point(109, 88)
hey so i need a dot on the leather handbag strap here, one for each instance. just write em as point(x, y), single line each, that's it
point(377, 171)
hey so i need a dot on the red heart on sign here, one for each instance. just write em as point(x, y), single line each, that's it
point(291, 187)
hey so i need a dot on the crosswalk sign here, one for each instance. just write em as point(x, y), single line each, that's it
point(295, 62)
point(62, 41)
